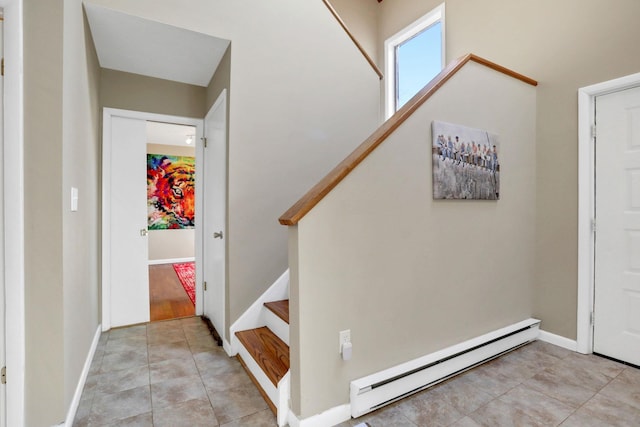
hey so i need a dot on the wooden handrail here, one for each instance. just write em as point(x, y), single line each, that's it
point(351, 36)
point(322, 188)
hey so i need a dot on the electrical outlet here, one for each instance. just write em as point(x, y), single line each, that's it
point(345, 336)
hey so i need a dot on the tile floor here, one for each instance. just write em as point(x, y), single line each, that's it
point(172, 374)
point(169, 374)
point(536, 385)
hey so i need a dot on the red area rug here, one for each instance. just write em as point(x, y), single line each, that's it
point(186, 272)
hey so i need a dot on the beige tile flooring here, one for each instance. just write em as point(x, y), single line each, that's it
point(536, 385)
point(169, 374)
point(172, 374)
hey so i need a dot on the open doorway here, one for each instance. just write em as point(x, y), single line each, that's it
point(171, 220)
point(126, 213)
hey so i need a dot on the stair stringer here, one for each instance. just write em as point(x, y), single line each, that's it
point(255, 316)
point(278, 395)
point(267, 386)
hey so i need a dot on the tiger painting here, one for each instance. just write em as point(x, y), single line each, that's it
point(170, 192)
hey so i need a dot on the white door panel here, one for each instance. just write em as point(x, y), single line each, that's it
point(3, 412)
point(617, 247)
point(214, 220)
point(128, 225)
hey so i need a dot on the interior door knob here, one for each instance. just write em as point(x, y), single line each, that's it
point(217, 235)
point(144, 232)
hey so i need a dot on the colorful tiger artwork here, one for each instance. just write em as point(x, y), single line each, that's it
point(170, 191)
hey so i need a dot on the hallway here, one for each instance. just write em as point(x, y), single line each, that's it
point(169, 374)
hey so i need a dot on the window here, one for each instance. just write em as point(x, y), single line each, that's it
point(413, 57)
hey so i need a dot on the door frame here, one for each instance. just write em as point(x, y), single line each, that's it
point(586, 202)
point(108, 113)
point(13, 197)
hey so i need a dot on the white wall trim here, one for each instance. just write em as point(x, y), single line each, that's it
point(73, 408)
point(171, 260)
point(330, 417)
point(108, 113)
point(226, 346)
point(14, 198)
point(284, 397)
point(435, 15)
point(396, 382)
point(558, 340)
point(586, 202)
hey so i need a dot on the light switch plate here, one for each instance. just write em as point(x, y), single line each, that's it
point(345, 336)
point(74, 199)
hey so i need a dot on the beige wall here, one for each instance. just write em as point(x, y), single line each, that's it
point(361, 17)
point(565, 46)
point(221, 80)
point(406, 274)
point(44, 334)
point(81, 158)
point(171, 244)
point(61, 247)
point(149, 94)
point(288, 117)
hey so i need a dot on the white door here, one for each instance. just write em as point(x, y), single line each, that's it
point(127, 193)
point(125, 270)
point(617, 240)
point(214, 218)
point(3, 400)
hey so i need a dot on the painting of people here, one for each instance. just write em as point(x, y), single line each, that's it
point(170, 192)
point(466, 164)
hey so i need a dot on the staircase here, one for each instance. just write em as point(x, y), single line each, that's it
point(264, 353)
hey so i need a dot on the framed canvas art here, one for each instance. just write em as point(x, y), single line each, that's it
point(170, 192)
point(466, 164)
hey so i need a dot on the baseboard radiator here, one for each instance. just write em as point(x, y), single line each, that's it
point(385, 387)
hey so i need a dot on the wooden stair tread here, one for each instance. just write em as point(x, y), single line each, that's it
point(269, 352)
point(279, 308)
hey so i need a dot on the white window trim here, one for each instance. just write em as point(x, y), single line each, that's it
point(421, 24)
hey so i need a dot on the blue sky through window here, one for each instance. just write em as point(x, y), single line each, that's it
point(418, 60)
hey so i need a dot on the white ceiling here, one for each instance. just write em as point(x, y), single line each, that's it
point(169, 134)
point(136, 45)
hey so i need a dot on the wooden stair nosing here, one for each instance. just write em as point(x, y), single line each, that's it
point(280, 309)
point(270, 352)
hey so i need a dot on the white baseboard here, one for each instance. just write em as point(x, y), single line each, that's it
point(342, 413)
point(73, 408)
point(330, 417)
point(170, 260)
point(397, 382)
point(558, 340)
point(226, 346)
